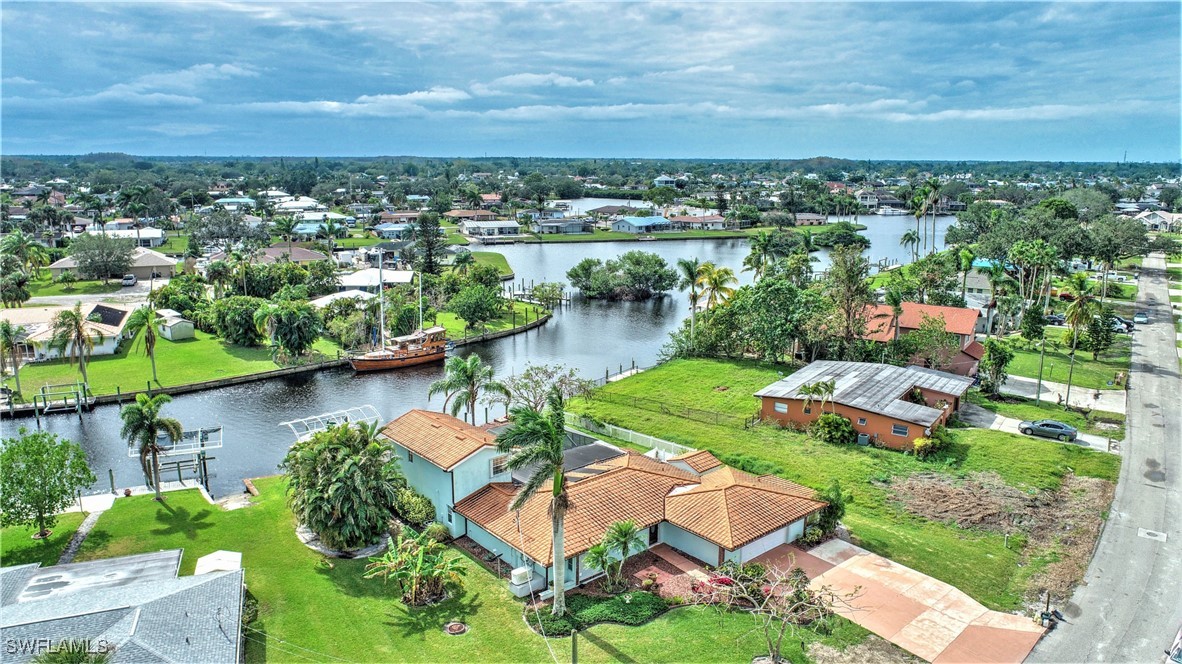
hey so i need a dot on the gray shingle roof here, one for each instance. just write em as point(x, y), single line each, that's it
point(874, 388)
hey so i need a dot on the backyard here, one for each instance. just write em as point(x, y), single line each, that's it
point(299, 595)
point(493, 259)
point(457, 328)
point(45, 285)
point(17, 546)
point(1088, 374)
point(681, 401)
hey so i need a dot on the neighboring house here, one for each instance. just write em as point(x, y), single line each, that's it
point(277, 253)
point(641, 224)
point(541, 215)
point(889, 405)
point(123, 224)
point(135, 608)
point(360, 295)
point(393, 231)
point(335, 217)
point(367, 279)
point(470, 215)
point(104, 322)
point(867, 198)
point(145, 264)
point(613, 211)
point(561, 226)
point(664, 181)
point(489, 200)
point(234, 204)
point(143, 237)
point(173, 326)
point(961, 321)
point(1159, 220)
point(811, 219)
point(715, 514)
point(299, 203)
point(490, 228)
point(709, 222)
point(399, 217)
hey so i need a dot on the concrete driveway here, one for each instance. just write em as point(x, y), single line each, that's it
point(1112, 401)
point(926, 617)
point(981, 418)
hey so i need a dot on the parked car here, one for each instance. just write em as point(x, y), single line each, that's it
point(1129, 324)
point(1141, 318)
point(129, 280)
point(1056, 319)
point(1049, 429)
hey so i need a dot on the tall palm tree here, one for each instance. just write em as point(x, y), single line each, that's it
point(763, 253)
point(688, 270)
point(931, 201)
point(10, 336)
point(18, 244)
point(285, 228)
point(1078, 315)
point(142, 425)
point(69, 333)
point(535, 440)
point(144, 320)
point(717, 284)
point(219, 273)
point(825, 390)
point(463, 262)
point(465, 379)
point(37, 258)
point(894, 299)
point(966, 256)
point(999, 279)
point(911, 239)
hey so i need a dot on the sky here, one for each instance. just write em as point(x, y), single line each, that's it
point(1063, 81)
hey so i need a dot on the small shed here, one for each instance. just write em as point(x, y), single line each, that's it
point(175, 328)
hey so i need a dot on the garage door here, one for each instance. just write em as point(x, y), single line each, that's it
point(763, 544)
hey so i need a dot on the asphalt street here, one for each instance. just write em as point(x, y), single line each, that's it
point(1130, 604)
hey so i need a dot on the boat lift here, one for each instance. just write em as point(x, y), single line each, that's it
point(188, 453)
point(305, 427)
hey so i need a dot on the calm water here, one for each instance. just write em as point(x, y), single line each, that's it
point(590, 336)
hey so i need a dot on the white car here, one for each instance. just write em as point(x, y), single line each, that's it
point(129, 280)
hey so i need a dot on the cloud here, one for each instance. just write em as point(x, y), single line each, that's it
point(527, 81)
point(409, 104)
point(183, 129)
point(1040, 112)
point(17, 80)
point(189, 79)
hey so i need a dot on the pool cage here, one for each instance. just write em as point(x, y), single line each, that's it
point(304, 427)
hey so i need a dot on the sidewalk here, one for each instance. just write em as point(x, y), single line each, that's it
point(1112, 401)
point(985, 419)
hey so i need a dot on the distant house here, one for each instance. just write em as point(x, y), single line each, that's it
point(470, 215)
point(104, 323)
point(541, 215)
point(393, 231)
point(280, 252)
point(960, 321)
point(235, 203)
point(398, 217)
point(136, 605)
point(566, 226)
point(613, 210)
point(664, 181)
point(709, 222)
point(1159, 220)
point(367, 279)
point(867, 198)
point(641, 224)
point(142, 237)
point(890, 405)
point(145, 263)
point(811, 219)
point(490, 228)
point(489, 200)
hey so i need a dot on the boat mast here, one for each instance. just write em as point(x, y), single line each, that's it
point(381, 300)
point(420, 276)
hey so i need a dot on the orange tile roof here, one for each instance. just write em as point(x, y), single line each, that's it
point(441, 439)
point(880, 323)
point(700, 461)
point(732, 508)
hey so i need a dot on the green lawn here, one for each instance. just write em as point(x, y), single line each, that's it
point(1021, 408)
point(17, 546)
point(456, 326)
point(336, 614)
point(494, 259)
point(1089, 373)
point(175, 243)
point(456, 240)
point(45, 285)
point(974, 561)
point(205, 357)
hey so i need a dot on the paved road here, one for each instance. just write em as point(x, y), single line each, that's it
point(1130, 604)
point(986, 419)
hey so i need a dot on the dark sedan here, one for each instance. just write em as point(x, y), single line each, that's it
point(1049, 429)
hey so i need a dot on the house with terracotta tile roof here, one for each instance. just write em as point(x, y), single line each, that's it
point(693, 502)
point(961, 321)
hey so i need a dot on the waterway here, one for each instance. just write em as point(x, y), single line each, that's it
point(591, 336)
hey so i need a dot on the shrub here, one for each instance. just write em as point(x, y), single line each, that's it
point(832, 513)
point(250, 608)
point(438, 532)
point(413, 507)
point(812, 536)
point(234, 320)
point(833, 429)
point(924, 447)
point(633, 608)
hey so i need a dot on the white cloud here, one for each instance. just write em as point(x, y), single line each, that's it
point(189, 79)
point(1024, 113)
point(387, 105)
point(526, 81)
point(17, 80)
point(184, 129)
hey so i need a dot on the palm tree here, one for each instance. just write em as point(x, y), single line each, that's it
point(69, 332)
point(142, 425)
point(763, 253)
point(825, 390)
point(535, 440)
point(967, 256)
point(688, 271)
point(894, 300)
point(219, 273)
point(999, 279)
point(623, 536)
point(600, 557)
point(911, 239)
point(464, 260)
point(144, 319)
point(717, 284)
point(808, 393)
point(1079, 314)
point(18, 244)
point(931, 200)
point(10, 336)
point(285, 228)
point(464, 380)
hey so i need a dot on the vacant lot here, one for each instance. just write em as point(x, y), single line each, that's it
point(975, 560)
point(1088, 373)
point(1097, 422)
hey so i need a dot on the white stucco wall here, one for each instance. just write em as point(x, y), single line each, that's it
point(690, 543)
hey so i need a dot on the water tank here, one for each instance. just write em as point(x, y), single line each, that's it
point(520, 576)
point(863, 439)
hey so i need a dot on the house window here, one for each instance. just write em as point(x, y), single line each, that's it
point(808, 409)
point(449, 513)
point(570, 564)
point(781, 407)
point(500, 464)
point(410, 456)
point(862, 421)
point(899, 429)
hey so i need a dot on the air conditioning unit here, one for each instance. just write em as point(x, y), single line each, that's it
point(520, 576)
point(863, 439)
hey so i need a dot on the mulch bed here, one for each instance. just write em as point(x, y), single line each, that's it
point(671, 581)
point(486, 558)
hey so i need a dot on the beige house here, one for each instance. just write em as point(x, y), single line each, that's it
point(104, 322)
point(145, 264)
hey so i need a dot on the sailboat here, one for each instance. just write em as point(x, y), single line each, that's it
point(420, 347)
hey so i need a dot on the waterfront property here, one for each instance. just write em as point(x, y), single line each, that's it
point(135, 605)
point(458, 216)
point(960, 321)
point(889, 405)
point(811, 219)
point(567, 226)
point(694, 503)
point(104, 323)
point(145, 264)
point(279, 252)
point(367, 279)
point(490, 228)
point(641, 225)
point(708, 222)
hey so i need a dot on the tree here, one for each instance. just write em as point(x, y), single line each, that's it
point(835, 503)
point(548, 293)
point(911, 239)
point(636, 275)
point(429, 243)
point(14, 289)
point(717, 284)
point(531, 387)
point(294, 325)
point(847, 287)
point(476, 305)
point(625, 537)
point(142, 325)
point(233, 318)
point(220, 274)
point(463, 261)
point(10, 337)
point(42, 475)
point(418, 566)
point(465, 380)
point(932, 343)
point(894, 298)
point(966, 256)
point(601, 558)
point(660, 196)
point(18, 244)
point(535, 440)
point(71, 336)
point(1079, 314)
point(1115, 238)
point(342, 484)
point(284, 227)
point(142, 426)
point(992, 368)
point(101, 256)
point(225, 230)
point(1098, 334)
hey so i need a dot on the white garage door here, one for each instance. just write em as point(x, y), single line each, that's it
point(763, 544)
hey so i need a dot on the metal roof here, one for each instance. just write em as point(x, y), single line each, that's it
point(874, 388)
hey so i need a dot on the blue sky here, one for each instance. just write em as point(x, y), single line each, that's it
point(1049, 81)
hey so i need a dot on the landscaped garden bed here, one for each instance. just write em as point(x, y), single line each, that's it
point(634, 607)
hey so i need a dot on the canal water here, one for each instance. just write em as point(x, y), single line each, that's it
point(588, 335)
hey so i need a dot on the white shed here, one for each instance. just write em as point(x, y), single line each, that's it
point(176, 328)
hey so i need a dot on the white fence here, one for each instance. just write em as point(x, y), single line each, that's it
point(665, 447)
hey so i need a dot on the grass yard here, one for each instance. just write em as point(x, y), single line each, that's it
point(456, 240)
point(456, 326)
point(205, 357)
point(494, 259)
point(977, 562)
point(45, 285)
point(175, 243)
point(1089, 373)
point(336, 614)
point(17, 546)
point(1021, 408)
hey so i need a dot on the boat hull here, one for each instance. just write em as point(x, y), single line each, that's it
point(388, 361)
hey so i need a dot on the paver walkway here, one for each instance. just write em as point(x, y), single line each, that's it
point(1112, 401)
point(986, 419)
point(928, 618)
point(671, 556)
